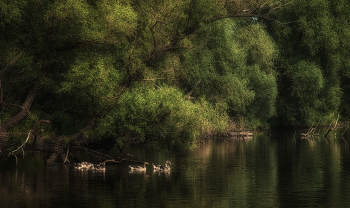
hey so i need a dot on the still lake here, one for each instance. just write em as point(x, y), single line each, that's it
point(273, 169)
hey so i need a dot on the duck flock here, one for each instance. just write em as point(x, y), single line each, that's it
point(165, 168)
point(101, 167)
point(89, 166)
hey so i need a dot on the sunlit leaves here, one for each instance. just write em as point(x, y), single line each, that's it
point(11, 11)
point(258, 46)
point(105, 54)
point(93, 23)
point(161, 115)
point(96, 77)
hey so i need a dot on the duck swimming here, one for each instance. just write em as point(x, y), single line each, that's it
point(138, 168)
point(162, 168)
point(99, 167)
point(83, 165)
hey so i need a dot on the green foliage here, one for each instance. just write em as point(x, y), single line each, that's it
point(314, 37)
point(73, 49)
point(130, 64)
point(263, 107)
point(115, 19)
point(306, 83)
point(161, 115)
point(236, 64)
point(99, 77)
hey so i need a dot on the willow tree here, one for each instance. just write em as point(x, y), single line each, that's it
point(62, 62)
point(236, 64)
point(314, 68)
point(65, 65)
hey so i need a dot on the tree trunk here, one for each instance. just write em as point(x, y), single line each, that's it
point(13, 121)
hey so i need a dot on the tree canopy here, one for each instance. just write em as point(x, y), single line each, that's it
point(104, 73)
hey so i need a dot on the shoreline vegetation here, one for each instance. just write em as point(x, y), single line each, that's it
point(93, 75)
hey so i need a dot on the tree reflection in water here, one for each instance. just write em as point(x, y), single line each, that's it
point(265, 171)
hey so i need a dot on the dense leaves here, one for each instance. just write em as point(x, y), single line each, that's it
point(171, 71)
point(237, 66)
point(314, 65)
point(161, 114)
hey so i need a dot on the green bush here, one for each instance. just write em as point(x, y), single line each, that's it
point(161, 114)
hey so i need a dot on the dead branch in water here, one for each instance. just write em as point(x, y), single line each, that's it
point(332, 126)
point(310, 132)
point(20, 147)
point(65, 159)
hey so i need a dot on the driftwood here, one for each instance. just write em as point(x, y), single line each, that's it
point(310, 132)
point(333, 126)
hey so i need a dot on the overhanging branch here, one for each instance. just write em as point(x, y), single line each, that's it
point(23, 112)
point(252, 8)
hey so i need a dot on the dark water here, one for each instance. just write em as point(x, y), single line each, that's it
point(274, 169)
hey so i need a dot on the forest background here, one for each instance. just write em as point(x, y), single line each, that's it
point(96, 74)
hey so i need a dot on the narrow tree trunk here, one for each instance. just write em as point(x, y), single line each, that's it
point(13, 121)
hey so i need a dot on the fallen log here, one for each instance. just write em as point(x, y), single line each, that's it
point(238, 134)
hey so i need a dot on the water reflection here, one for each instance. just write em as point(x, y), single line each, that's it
point(275, 169)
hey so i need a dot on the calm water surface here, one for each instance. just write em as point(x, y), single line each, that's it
point(274, 169)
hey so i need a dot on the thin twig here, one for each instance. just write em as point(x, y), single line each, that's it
point(66, 155)
point(189, 94)
point(12, 63)
point(345, 130)
point(20, 147)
